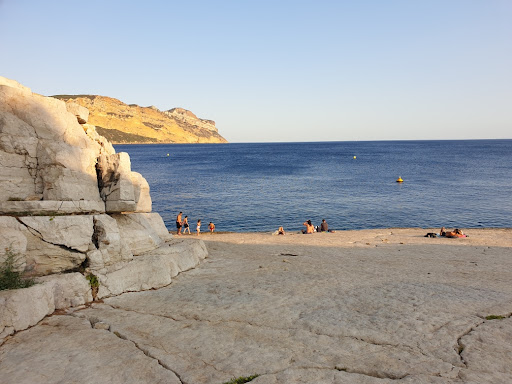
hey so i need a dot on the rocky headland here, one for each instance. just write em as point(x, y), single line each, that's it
point(121, 123)
point(73, 214)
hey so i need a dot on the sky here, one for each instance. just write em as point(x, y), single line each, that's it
point(273, 71)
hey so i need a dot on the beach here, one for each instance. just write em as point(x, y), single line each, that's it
point(368, 306)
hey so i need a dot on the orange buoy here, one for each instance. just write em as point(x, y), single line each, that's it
point(399, 180)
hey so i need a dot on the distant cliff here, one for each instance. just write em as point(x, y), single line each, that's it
point(121, 123)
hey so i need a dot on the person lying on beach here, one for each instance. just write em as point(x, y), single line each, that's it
point(310, 228)
point(280, 231)
point(456, 233)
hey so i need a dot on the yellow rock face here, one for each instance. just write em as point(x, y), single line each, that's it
point(121, 123)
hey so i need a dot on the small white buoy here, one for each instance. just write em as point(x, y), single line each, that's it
point(167, 154)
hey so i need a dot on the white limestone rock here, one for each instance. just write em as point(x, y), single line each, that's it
point(18, 158)
point(44, 149)
point(116, 183)
point(137, 232)
point(23, 308)
point(47, 207)
point(68, 290)
point(109, 247)
point(65, 349)
point(142, 273)
point(105, 147)
point(153, 270)
point(157, 223)
point(33, 245)
point(182, 255)
point(12, 241)
point(74, 232)
point(14, 84)
point(55, 244)
point(141, 193)
point(487, 352)
point(81, 113)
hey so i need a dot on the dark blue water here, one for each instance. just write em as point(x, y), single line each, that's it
point(258, 187)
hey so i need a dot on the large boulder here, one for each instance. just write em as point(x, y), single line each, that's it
point(115, 182)
point(138, 232)
point(49, 152)
point(72, 232)
point(109, 246)
point(42, 244)
point(141, 193)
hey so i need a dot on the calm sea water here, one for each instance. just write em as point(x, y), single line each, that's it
point(258, 187)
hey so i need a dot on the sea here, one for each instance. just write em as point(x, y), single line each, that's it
point(257, 187)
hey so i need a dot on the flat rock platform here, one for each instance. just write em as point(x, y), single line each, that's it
point(371, 306)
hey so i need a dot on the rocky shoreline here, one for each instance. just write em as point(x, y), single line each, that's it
point(111, 304)
point(73, 212)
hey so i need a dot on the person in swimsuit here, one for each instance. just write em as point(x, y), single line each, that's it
point(198, 227)
point(185, 225)
point(178, 223)
point(280, 231)
point(211, 227)
point(310, 228)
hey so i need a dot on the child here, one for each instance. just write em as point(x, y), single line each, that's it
point(198, 227)
point(211, 227)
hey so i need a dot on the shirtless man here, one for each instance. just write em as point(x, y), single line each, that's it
point(211, 227)
point(178, 223)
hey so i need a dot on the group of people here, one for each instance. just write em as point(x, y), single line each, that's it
point(310, 228)
point(183, 224)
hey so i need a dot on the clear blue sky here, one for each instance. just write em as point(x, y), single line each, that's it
point(279, 70)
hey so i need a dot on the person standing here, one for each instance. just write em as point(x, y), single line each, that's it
point(211, 227)
point(178, 223)
point(185, 225)
point(198, 226)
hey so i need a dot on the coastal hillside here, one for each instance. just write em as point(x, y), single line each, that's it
point(121, 123)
